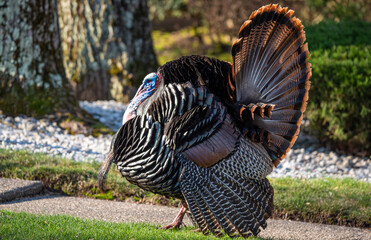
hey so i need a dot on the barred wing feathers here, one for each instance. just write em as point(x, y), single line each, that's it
point(182, 120)
point(197, 125)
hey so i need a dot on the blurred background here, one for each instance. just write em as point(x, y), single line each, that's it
point(68, 68)
point(56, 53)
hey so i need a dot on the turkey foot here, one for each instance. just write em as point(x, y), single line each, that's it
point(261, 109)
point(178, 220)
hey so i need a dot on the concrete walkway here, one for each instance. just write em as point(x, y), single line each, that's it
point(131, 212)
point(15, 188)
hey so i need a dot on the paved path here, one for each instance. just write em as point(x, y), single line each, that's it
point(131, 212)
point(15, 188)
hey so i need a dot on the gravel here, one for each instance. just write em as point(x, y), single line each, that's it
point(307, 159)
point(108, 112)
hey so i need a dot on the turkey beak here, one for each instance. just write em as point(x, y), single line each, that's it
point(130, 113)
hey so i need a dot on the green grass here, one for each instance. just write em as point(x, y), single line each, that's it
point(28, 226)
point(332, 201)
point(74, 178)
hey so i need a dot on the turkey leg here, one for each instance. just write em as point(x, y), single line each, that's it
point(178, 220)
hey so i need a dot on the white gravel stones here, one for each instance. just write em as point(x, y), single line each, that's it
point(108, 112)
point(307, 159)
point(46, 137)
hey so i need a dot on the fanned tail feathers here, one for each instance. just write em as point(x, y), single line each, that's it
point(270, 62)
point(219, 202)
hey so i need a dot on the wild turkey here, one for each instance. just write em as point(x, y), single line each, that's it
point(209, 132)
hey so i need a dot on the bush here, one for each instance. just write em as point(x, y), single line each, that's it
point(339, 108)
point(340, 10)
point(327, 34)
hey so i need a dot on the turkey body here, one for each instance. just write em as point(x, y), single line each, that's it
point(209, 132)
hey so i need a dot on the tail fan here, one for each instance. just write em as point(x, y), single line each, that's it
point(219, 201)
point(270, 66)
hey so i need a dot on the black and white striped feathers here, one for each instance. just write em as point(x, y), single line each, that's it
point(212, 131)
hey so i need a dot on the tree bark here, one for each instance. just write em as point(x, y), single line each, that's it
point(32, 75)
point(107, 46)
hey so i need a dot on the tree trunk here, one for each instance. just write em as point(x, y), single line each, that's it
point(32, 76)
point(107, 46)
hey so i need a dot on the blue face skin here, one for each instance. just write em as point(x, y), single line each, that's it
point(150, 84)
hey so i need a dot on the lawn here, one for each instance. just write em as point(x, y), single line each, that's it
point(329, 200)
point(28, 226)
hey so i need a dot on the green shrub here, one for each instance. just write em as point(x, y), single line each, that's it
point(327, 34)
point(339, 108)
